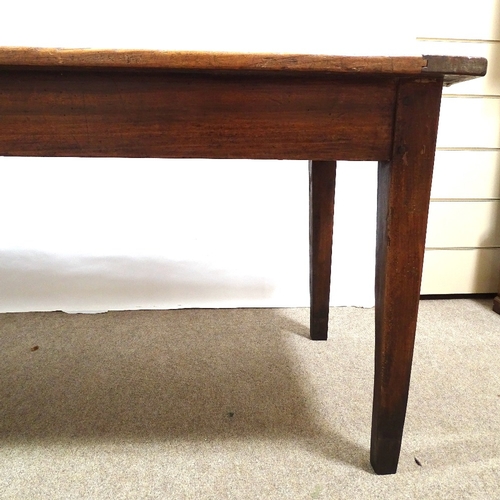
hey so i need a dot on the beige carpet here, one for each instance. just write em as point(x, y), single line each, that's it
point(240, 404)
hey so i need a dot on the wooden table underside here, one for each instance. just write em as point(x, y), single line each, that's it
point(319, 108)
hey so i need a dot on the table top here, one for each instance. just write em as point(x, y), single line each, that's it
point(453, 69)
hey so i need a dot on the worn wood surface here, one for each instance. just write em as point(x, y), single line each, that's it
point(454, 69)
point(321, 202)
point(90, 58)
point(194, 116)
point(404, 185)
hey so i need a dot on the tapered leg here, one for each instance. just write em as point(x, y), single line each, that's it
point(403, 199)
point(321, 198)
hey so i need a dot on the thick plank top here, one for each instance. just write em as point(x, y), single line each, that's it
point(452, 68)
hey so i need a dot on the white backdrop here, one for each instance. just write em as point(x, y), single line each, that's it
point(98, 234)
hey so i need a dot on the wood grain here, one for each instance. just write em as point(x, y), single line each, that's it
point(120, 114)
point(188, 60)
point(321, 203)
point(454, 69)
point(404, 185)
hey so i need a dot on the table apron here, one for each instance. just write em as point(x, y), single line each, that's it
point(195, 115)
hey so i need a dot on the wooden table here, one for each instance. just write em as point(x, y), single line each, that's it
point(91, 103)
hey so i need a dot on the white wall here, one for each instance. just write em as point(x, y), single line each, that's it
point(463, 239)
point(93, 235)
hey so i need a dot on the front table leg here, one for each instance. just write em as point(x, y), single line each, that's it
point(321, 195)
point(404, 186)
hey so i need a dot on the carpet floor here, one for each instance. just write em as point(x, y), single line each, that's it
point(240, 404)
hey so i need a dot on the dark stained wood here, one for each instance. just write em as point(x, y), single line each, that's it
point(496, 301)
point(56, 102)
point(496, 304)
point(404, 185)
point(455, 69)
point(321, 202)
point(147, 114)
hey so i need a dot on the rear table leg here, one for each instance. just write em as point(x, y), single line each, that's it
point(321, 198)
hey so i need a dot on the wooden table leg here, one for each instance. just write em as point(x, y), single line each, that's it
point(496, 301)
point(403, 200)
point(496, 304)
point(321, 201)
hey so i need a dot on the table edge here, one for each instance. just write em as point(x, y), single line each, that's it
point(451, 68)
